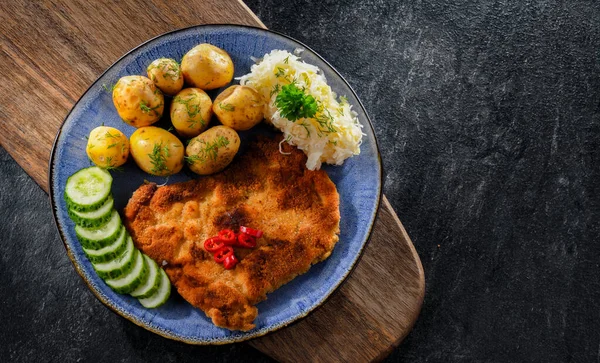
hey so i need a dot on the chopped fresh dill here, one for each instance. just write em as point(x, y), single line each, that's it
point(158, 158)
point(147, 109)
point(286, 60)
point(325, 121)
point(305, 125)
point(192, 107)
point(226, 106)
point(112, 145)
point(191, 159)
point(306, 79)
point(275, 90)
point(109, 89)
point(209, 151)
point(280, 72)
point(172, 71)
point(111, 166)
point(108, 135)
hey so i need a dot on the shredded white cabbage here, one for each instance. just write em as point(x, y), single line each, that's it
point(333, 135)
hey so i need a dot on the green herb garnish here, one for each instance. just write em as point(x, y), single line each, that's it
point(172, 69)
point(158, 158)
point(147, 109)
point(293, 103)
point(226, 106)
point(109, 161)
point(208, 151)
point(275, 90)
point(325, 121)
point(192, 109)
point(109, 89)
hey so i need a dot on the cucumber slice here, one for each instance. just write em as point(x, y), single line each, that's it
point(100, 237)
point(94, 218)
point(119, 266)
point(109, 252)
point(131, 280)
point(161, 295)
point(150, 285)
point(88, 189)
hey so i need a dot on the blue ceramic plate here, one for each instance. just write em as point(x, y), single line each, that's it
point(358, 181)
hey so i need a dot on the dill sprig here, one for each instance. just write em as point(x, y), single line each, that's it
point(147, 109)
point(226, 106)
point(275, 90)
point(293, 103)
point(325, 121)
point(158, 158)
point(111, 165)
point(209, 151)
point(192, 108)
point(172, 72)
point(109, 88)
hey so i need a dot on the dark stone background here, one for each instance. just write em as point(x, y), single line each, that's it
point(488, 117)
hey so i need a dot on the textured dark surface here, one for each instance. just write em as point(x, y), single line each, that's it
point(488, 118)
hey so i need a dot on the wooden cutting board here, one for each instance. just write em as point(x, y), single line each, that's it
point(53, 50)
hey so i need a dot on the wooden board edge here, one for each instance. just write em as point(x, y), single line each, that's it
point(421, 281)
point(251, 13)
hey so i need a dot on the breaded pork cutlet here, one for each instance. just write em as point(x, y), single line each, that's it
point(297, 209)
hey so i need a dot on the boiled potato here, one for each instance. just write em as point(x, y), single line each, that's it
point(207, 67)
point(166, 75)
point(156, 151)
point(191, 111)
point(107, 147)
point(212, 150)
point(239, 107)
point(138, 101)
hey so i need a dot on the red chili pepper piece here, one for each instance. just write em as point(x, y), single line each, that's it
point(251, 231)
point(227, 236)
point(246, 240)
point(213, 244)
point(223, 253)
point(230, 262)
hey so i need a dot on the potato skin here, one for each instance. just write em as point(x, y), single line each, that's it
point(212, 150)
point(239, 107)
point(156, 151)
point(191, 111)
point(138, 101)
point(207, 67)
point(166, 75)
point(107, 147)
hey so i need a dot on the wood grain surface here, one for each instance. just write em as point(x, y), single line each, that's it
point(53, 50)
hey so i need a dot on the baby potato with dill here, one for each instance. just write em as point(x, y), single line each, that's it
point(191, 111)
point(156, 151)
point(166, 75)
point(207, 67)
point(212, 150)
point(107, 147)
point(138, 101)
point(239, 107)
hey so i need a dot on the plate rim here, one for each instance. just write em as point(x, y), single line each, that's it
point(276, 327)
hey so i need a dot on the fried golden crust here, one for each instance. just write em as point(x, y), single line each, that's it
point(297, 209)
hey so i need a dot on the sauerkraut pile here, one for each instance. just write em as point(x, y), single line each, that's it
point(332, 134)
